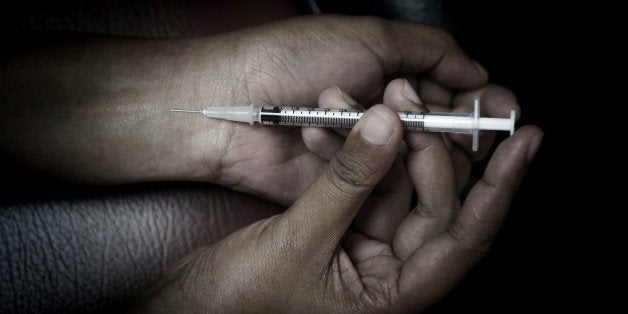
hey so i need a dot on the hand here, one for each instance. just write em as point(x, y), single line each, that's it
point(101, 110)
point(310, 258)
point(402, 96)
point(290, 62)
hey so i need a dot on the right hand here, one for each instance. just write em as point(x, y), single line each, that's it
point(310, 257)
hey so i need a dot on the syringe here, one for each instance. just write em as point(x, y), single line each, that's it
point(470, 123)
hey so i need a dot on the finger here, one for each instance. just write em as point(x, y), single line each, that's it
point(460, 161)
point(495, 101)
point(459, 157)
point(432, 92)
point(431, 107)
point(401, 96)
point(413, 80)
point(319, 218)
point(387, 205)
point(336, 98)
point(322, 141)
point(440, 263)
point(405, 47)
point(431, 171)
point(488, 201)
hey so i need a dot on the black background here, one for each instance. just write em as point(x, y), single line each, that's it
point(530, 48)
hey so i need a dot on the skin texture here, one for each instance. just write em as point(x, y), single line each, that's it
point(350, 240)
point(102, 106)
point(313, 253)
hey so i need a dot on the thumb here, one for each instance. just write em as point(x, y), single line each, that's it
point(322, 214)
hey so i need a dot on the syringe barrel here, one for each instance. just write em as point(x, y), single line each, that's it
point(412, 121)
point(307, 116)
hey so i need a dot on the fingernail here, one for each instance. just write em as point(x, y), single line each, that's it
point(480, 68)
point(409, 92)
point(376, 129)
point(534, 147)
point(344, 96)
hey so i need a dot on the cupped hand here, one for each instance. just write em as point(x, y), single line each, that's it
point(312, 258)
point(106, 101)
point(290, 62)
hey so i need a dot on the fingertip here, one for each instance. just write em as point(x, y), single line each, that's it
point(393, 94)
point(495, 101)
point(434, 93)
point(400, 95)
point(525, 138)
point(410, 93)
point(336, 98)
point(481, 69)
point(379, 125)
point(534, 136)
point(498, 101)
point(457, 70)
point(528, 132)
point(512, 156)
point(346, 98)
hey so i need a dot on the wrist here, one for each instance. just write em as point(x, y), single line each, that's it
point(102, 109)
point(192, 145)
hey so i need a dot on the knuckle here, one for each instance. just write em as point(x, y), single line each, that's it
point(379, 33)
point(505, 192)
point(445, 35)
point(349, 173)
point(472, 251)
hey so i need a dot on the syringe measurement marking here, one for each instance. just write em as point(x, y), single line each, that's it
point(318, 120)
point(340, 119)
point(413, 124)
point(412, 121)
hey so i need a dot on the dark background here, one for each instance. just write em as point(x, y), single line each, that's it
point(527, 46)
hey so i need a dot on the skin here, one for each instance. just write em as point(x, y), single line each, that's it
point(313, 254)
point(102, 116)
point(102, 105)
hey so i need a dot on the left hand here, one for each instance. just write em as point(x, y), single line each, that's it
point(100, 113)
point(291, 62)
